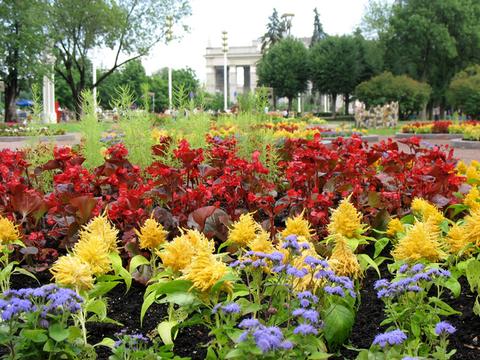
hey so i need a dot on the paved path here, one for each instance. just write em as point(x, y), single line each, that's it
point(463, 154)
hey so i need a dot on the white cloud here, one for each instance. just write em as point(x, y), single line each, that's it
point(246, 20)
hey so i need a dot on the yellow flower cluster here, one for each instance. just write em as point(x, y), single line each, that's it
point(472, 227)
point(90, 255)
point(157, 134)
point(471, 172)
point(179, 253)
point(343, 261)
point(346, 220)
point(427, 211)
point(244, 230)
point(204, 271)
point(421, 241)
point(457, 239)
point(298, 226)
point(394, 226)
point(191, 253)
point(261, 243)
point(472, 199)
point(8, 231)
point(151, 234)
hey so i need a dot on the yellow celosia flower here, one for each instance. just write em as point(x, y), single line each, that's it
point(102, 228)
point(151, 234)
point(475, 163)
point(343, 261)
point(346, 220)
point(427, 211)
point(205, 270)
point(179, 253)
point(473, 175)
point(394, 226)
point(297, 226)
point(472, 226)
point(8, 231)
point(244, 230)
point(92, 250)
point(461, 167)
point(457, 239)
point(472, 199)
point(420, 242)
point(157, 134)
point(261, 243)
point(71, 271)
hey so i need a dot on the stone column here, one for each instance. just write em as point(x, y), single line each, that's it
point(253, 77)
point(211, 79)
point(49, 114)
point(232, 84)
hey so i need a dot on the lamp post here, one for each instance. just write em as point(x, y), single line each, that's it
point(94, 81)
point(169, 34)
point(225, 82)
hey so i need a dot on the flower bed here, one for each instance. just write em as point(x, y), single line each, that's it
point(21, 130)
point(262, 257)
point(466, 130)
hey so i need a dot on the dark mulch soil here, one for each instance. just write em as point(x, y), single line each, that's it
point(125, 308)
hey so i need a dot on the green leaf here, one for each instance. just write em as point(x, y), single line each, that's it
point(476, 307)
point(98, 307)
point(473, 275)
point(235, 353)
point(35, 335)
point(137, 261)
point(442, 307)
point(19, 270)
point(380, 245)
point(110, 343)
point(127, 278)
point(319, 356)
point(49, 346)
point(57, 332)
point(165, 331)
point(147, 302)
point(338, 323)
point(453, 285)
point(181, 298)
point(102, 288)
point(366, 262)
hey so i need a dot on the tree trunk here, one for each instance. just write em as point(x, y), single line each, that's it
point(11, 92)
point(334, 106)
point(346, 101)
point(290, 100)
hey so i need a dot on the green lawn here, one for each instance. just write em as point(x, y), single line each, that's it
point(75, 126)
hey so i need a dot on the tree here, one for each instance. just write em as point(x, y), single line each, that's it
point(275, 31)
point(334, 67)
point(464, 91)
point(376, 18)
point(128, 27)
point(284, 67)
point(411, 95)
point(22, 44)
point(432, 40)
point(318, 33)
point(181, 78)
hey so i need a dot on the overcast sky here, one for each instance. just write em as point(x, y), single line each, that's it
point(246, 20)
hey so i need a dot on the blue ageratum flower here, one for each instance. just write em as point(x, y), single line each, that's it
point(394, 337)
point(305, 329)
point(444, 328)
point(232, 308)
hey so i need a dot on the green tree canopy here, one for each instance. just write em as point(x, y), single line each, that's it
point(22, 45)
point(184, 79)
point(411, 95)
point(284, 68)
point(432, 40)
point(335, 67)
point(130, 28)
point(464, 91)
